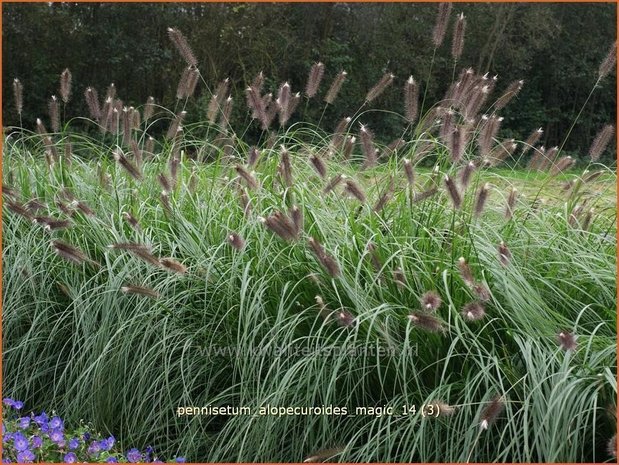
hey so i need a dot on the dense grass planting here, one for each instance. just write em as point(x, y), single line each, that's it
point(449, 297)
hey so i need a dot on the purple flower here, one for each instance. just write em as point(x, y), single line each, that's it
point(24, 422)
point(25, 456)
point(107, 444)
point(7, 437)
point(112, 460)
point(57, 436)
point(37, 442)
point(20, 441)
point(134, 455)
point(94, 448)
point(16, 404)
point(180, 460)
point(6, 460)
point(56, 423)
point(86, 436)
point(149, 450)
point(70, 458)
point(41, 419)
point(74, 443)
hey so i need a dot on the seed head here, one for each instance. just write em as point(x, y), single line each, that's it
point(562, 164)
point(323, 455)
point(505, 254)
point(65, 85)
point(133, 222)
point(427, 322)
point(327, 261)
point(457, 143)
point(566, 340)
point(18, 93)
point(345, 318)
point(408, 170)
point(140, 290)
point(380, 87)
point(296, 214)
point(411, 100)
point(181, 44)
point(319, 165)
point(511, 203)
point(149, 108)
point(92, 101)
point(333, 183)
point(458, 37)
point(452, 190)
point(236, 241)
point(250, 180)
point(491, 412)
point(336, 85)
point(612, 446)
point(512, 90)
point(601, 141)
point(482, 196)
point(441, 24)
point(317, 71)
point(353, 189)
point(399, 277)
point(131, 169)
point(609, 62)
point(285, 167)
point(430, 301)
point(173, 265)
point(473, 311)
point(465, 272)
point(533, 139)
point(367, 145)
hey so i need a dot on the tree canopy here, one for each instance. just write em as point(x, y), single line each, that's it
point(555, 48)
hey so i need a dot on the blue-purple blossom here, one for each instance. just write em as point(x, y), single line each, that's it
point(134, 455)
point(24, 422)
point(107, 444)
point(20, 441)
point(41, 419)
point(37, 442)
point(56, 423)
point(54, 428)
point(57, 436)
point(94, 448)
point(16, 404)
point(25, 456)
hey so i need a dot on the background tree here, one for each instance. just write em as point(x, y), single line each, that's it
point(555, 48)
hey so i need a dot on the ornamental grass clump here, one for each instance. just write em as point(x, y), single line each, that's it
point(250, 257)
